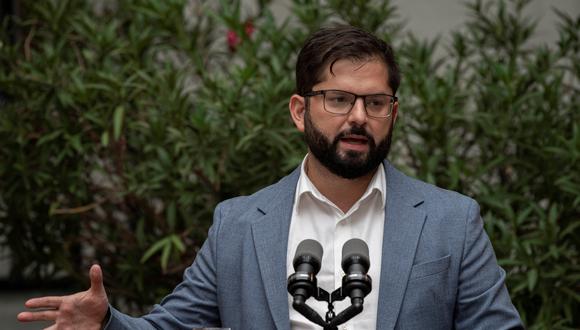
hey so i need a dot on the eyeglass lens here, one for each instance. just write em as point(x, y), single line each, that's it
point(341, 102)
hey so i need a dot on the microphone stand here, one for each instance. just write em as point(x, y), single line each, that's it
point(357, 293)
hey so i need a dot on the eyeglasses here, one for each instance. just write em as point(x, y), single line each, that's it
point(341, 103)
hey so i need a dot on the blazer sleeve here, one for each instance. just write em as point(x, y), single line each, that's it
point(193, 303)
point(482, 301)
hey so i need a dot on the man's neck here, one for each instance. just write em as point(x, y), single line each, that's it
point(342, 192)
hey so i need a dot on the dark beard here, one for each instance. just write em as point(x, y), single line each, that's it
point(354, 164)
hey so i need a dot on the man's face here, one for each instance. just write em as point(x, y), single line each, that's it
point(350, 145)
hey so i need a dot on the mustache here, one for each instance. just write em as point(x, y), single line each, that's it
point(355, 130)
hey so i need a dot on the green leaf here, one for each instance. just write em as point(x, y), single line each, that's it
point(155, 248)
point(118, 122)
point(574, 295)
point(165, 254)
point(75, 142)
point(140, 232)
point(49, 137)
point(178, 243)
point(532, 279)
point(569, 229)
point(105, 139)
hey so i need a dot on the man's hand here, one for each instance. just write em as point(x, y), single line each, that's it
point(83, 310)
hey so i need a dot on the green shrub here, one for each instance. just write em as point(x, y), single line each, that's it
point(123, 123)
point(498, 119)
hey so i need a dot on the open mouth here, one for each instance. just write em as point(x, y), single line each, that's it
point(355, 139)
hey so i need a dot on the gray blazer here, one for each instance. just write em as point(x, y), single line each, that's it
point(438, 271)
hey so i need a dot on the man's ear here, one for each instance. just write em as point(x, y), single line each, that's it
point(297, 107)
point(395, 111)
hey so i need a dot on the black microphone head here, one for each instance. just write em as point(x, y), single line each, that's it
point(308, 251)
point(355, 251)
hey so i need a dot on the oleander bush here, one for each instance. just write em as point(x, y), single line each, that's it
point(123, 123)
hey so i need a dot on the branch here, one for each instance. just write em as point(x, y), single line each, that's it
point(76, 210)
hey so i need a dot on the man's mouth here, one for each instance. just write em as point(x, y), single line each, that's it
point(355, 139)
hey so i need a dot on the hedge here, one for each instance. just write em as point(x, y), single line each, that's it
point(123, 123)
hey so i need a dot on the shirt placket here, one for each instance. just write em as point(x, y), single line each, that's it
point(343, 233)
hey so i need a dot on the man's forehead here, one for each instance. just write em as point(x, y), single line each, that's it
point(329, 69)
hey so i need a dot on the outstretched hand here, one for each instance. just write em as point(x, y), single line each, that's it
point(82, 310)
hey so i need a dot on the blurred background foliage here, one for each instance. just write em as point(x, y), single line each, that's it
point(123, 123)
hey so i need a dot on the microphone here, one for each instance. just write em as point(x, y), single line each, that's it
point(355, 264)
point(307, 261)
point(356, 284)
point(303, 284)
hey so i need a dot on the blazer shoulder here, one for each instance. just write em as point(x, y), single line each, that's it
point(430, 195)
point(443, 195)
point(263, 199)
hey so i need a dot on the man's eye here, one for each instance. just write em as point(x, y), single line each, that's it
point(376, 102)
point(338, 99)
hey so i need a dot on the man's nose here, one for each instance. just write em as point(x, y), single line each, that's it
point(358, 113)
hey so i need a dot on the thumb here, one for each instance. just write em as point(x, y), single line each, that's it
point(96, 276)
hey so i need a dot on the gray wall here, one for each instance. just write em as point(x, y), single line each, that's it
point(428, 19)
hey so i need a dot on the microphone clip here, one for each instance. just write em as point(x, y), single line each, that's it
point(354, 285)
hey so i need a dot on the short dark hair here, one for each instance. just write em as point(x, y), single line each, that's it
point(331, 44)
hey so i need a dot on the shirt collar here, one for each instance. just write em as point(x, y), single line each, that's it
point(378, 183)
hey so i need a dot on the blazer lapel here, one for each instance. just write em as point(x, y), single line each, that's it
point(402, 229)
point(270, 233)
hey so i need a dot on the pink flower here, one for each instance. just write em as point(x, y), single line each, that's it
point(249, 28)
point(234, 40)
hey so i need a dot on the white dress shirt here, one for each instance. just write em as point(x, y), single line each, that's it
point(316, 217)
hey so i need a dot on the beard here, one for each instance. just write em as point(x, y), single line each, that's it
point(353, 164)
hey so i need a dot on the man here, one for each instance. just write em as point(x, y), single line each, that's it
point(432, 264)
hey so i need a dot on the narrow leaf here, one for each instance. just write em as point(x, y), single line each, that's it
point(118, 122)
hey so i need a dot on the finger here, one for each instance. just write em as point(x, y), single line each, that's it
point(52, 327)
point(37, 316)
point(44, 302)
point(96, 276)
